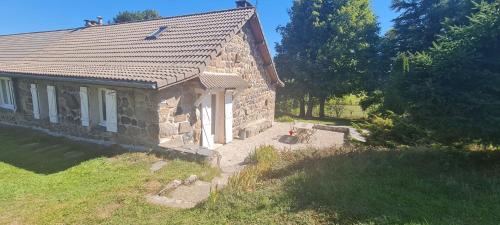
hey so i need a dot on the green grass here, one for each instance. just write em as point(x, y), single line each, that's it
point(412, 186)
point(44, 181)
point(328, 120)
point(351, 112)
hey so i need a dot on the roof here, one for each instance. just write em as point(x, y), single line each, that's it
point(223, 80)
point(122, 53)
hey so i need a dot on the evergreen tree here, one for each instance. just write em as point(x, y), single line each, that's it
point(128, 16)
point(328, 48)
point(452, 90)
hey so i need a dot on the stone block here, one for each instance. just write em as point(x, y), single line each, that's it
point(251, 131)
point(185, 127)
point(167, 130)
point(181, 118)
point(170, 187)
point(188, 138)
point(190, 180)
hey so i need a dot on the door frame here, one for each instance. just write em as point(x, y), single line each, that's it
point(223, 111)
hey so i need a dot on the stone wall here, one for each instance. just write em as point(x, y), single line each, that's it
point(177, 113)
point(149, 117)
point(137, 113)
point(240, 56)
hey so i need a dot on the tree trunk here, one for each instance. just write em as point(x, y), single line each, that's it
point(322, 101)
point(310, 105)
point(302, 107)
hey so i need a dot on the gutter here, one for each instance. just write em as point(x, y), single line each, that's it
point(132, 84)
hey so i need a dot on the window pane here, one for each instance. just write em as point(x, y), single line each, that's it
point(9, 92)
point(4, 92)
point(103, 106)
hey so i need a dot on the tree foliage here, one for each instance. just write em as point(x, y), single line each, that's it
point(453, 89)
point(129, 16)
point(421, 21)
point(327, 48)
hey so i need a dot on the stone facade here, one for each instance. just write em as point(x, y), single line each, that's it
point(150, 117)
point(177, 113)
point(240, 56)
point(136, 112)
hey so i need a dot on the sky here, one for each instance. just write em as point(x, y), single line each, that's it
point(19, 16)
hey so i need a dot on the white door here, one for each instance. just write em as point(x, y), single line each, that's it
point(207, 137)
point(228, 115)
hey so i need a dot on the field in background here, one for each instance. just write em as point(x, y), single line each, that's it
point(351, 111)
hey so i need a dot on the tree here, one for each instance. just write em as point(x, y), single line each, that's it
point(327, 48)
point(129, 16)
point(452, 90)
point(421, 21)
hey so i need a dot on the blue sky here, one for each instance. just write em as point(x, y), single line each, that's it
point(17, 16)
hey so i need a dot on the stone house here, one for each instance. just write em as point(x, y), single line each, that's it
point(197, 80)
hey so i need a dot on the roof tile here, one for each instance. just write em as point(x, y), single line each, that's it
point(121, 51)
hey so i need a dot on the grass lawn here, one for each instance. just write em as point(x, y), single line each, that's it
point(411, 186)
point(350, 115)
point(350, 112)
point(45, 180)
point(328, 120)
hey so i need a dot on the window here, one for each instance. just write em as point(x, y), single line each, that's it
point(108, 114)
point(157, 33)
point(6, 93)
point(102, 106)
point(52, 100)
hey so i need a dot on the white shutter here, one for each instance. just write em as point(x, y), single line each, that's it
point(84, 106)
point(10, 84)
point(228, 114)
point(206, 129)
point(111, 112)
point(34, 97)
point(52, 98)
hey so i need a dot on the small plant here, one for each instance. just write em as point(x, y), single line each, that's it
point(337, 106)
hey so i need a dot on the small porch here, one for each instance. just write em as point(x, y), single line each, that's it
point(210, 125)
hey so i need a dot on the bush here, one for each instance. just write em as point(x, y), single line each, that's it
point(393, 130)
point(337, 106)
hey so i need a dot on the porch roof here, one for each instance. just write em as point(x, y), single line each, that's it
point(223, 81)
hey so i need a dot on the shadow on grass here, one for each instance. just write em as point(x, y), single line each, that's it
point(398, 187)
point(44, 154)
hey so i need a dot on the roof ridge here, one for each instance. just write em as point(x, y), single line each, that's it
point(180, 16)
point(140, 21)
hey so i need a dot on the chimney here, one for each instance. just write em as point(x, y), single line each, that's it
point(88, 23)
point(243, 4)
point(92, 23)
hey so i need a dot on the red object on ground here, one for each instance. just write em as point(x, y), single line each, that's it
point(291, 132)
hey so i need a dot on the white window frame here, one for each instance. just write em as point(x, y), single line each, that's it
point(10, 94)
point(101, 92)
